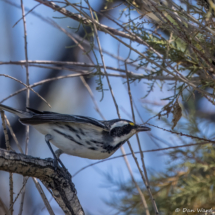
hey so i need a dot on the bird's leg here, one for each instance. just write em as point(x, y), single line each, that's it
point(48, 137)
point(58, 153)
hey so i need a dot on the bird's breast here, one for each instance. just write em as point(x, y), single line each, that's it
point(79, 140)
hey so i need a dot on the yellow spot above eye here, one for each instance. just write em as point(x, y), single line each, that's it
point(131, 123)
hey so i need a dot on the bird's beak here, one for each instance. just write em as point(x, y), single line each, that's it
point(142, 128)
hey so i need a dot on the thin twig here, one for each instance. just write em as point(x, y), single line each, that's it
point(27, 100)
point(138, 140)
point(27, 74)
point(146, 151)
point(102, 58)
point(131, 74)
point(182, 134)
point(5, 131)
point(27, 127)
point(87, 43)
point(28, 87)
point(23, 185)
point(43, 82)
point(13, 134)
point(26, 14)
point(43, 196)
point(147, 183)
point(142, 197)
point(4, 207)
point(81, 77)
point(11, 192)
point(8, 148)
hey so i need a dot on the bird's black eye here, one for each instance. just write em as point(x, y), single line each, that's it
point(121, 130)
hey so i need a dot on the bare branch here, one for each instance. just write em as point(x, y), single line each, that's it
point(8, 148)
point(57, 182)
point(45, 200)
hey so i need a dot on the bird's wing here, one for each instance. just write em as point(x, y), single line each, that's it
point(33, 111)
point(46, 117)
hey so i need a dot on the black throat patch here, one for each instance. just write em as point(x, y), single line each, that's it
point(110, 149)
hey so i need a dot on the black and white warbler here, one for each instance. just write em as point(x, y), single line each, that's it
point(78, 135)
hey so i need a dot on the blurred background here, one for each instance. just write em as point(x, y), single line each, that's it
point(97, 185)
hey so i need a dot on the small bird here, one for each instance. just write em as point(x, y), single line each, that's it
point(78, 135)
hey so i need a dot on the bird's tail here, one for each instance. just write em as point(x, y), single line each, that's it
point(19, 113)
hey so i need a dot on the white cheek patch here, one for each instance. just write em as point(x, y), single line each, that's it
point(119, 124)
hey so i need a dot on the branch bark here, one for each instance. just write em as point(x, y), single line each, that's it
point(57, 182)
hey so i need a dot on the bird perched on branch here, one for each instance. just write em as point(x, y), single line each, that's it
point(78, 135)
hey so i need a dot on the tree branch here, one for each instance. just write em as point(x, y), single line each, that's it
point(57, 182)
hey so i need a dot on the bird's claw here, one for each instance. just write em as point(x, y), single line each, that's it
point(55, 164)
point(54, 161)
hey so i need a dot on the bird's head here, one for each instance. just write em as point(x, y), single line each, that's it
point(124, 129)
point(119, 131)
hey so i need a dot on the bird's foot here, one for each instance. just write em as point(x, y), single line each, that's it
point(54, 161)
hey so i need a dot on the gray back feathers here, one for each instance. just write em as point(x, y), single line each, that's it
point(35, 117)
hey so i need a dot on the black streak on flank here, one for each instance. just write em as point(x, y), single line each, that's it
point(60, 126)
point(78, 136)
point(92, 148)
point(111, 149)
point(96, 142)
point(71, 128)
point(87, 142)
point(81, 131)
point(68, 137)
